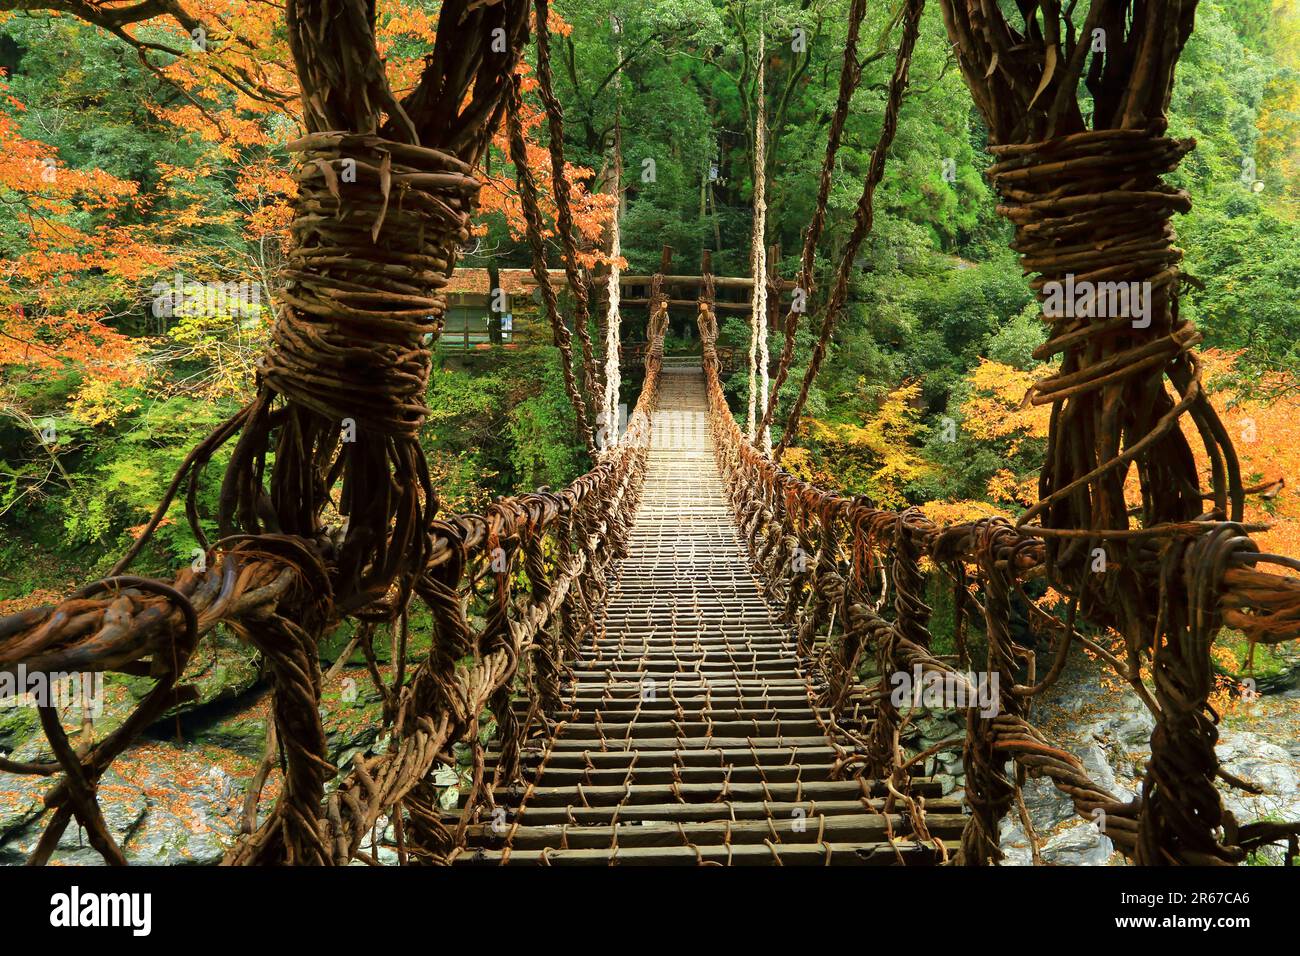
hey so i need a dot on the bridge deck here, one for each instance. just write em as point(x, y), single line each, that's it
point(693, 735)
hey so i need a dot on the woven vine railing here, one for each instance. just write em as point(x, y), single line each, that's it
point(536, 565)
point(851, 579)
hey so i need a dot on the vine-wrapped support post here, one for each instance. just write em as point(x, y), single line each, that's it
point(989, 792)
point(1092, 218)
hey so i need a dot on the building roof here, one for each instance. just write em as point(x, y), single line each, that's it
point(513, 281)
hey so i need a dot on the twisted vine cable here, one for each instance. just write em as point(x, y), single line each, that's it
point(863, 216)
point(533, 231)
point(850, 73)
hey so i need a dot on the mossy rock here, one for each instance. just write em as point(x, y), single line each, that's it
point(1275, 669)
point(222, 671)
point(20, 803)
point(350, 726)
point(123, 807)
point(334, 643)
point(242, 735)
point(17, 724)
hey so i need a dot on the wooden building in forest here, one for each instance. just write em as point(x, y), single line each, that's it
point(470, 308)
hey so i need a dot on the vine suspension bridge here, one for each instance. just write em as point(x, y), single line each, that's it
point(690, 729)
point(686, 651)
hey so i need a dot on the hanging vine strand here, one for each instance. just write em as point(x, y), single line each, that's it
point(850, 74)
point(563, 210)
point(863, 216)
point(533, 230)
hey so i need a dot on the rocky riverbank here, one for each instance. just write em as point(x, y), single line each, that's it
point(176, 796)
point(1109, 730)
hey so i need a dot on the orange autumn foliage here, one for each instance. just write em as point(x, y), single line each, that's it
point(592, 212)
point(1227, 696)
point(43, 325)
point(956, 512)
point(239, 103)
point(1264, 426)
point(1265, 429)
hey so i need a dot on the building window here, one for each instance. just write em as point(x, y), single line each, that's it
point(468, 321)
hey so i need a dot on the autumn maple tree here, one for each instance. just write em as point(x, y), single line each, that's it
point(91, 250)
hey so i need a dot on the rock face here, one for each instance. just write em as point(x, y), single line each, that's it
point(162, 808)
point(166, 802)
point(226, 669)
point(1272, 768)
point(191, 828)
point(16, 725)
point(1109, 729)
point(933, 727)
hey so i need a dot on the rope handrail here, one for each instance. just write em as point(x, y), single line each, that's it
point(568, 541)
point(820, 555)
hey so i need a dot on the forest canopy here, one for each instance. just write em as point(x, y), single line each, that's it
point(146, 196)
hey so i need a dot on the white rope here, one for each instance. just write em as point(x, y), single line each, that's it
point(758, 352)
point(613, 374)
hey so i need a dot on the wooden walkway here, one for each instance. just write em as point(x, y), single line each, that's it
point(693, 736)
